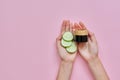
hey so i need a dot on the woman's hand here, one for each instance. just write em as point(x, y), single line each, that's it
point(65, 56)
point(88, 50)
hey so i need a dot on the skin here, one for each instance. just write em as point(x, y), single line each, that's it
point(67, 59)
point(88, 51)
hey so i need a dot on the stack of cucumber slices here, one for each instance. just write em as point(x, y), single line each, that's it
point(67, 42)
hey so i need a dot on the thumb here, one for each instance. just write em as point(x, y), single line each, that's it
point(58, 39)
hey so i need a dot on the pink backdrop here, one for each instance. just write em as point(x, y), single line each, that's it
point(28, 29)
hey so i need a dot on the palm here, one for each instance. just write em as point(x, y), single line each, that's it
point(88, 50)
point(66, 26)
point(64, 54)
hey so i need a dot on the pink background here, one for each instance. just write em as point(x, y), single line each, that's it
point(28, 29)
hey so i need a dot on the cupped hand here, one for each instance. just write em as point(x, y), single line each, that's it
point(65, 56)
point(88, 50)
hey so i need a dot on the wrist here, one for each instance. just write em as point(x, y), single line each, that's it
point(94, 61)
point(65, 70)
point(66, 62)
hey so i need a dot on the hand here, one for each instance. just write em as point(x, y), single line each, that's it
point(88, 50)
point(65, 56)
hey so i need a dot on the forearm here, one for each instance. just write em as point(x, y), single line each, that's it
point(97, 69)
point(65, 70)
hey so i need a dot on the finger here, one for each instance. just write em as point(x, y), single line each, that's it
point(59, 37)
point(73, 30)
point(62, 31)
point(82, 25)
point(68, 25)
point(71, 27)
point(89, 35)
point(92, 36)
point(63, 26)
point(77, 26)
point(89, 40)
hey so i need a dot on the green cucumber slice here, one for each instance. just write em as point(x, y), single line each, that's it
point(72, 48)
point(66, 43)
point(67, 36)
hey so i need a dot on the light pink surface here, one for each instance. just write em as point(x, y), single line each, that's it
point(28, 29)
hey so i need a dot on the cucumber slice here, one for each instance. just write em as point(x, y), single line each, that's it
point(67, 36)
point(72, 48)
point(66, 43)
